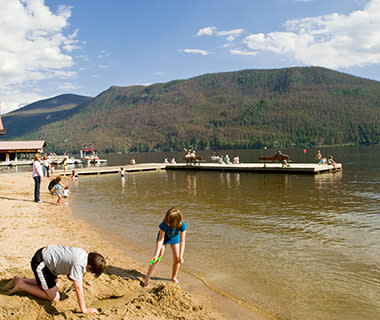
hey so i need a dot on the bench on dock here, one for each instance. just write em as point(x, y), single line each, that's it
point(275, 158)
point(190, 160)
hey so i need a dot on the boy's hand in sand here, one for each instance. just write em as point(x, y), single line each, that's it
point(92, 311)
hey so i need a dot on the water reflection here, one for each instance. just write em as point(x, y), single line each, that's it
point(326, 181)
point(191, 180)
point(304, 246)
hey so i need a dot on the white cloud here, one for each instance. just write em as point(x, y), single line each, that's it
point(14, 99)
point(33, 45)
point(238, 52)
point(230, 35)
point(196, 51)
point(333, 40)
point(208, 31)
point(103, 54)
point(68, 86)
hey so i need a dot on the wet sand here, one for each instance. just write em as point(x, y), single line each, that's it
point(117, 294)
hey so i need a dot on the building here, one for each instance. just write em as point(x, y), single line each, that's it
point(19, 151)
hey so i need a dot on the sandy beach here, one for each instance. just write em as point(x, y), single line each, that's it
point(117, 294)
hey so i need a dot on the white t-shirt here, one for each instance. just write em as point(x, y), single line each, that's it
point(37, 169)
point(66, 260)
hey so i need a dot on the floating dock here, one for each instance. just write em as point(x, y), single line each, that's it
point(292, 168)
point(115, 169)
point(300, 168)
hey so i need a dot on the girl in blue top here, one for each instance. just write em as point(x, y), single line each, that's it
point(173, 232)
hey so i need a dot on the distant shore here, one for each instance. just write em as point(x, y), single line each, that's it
point(117, 294)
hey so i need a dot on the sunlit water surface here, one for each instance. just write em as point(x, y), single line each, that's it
point(297, 246)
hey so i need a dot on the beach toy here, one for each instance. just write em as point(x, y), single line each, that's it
point(154, 260)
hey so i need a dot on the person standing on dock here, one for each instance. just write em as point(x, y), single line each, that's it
point(37, 176)
point(319, 157)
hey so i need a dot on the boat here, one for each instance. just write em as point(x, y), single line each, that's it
point(88, 155)
point(58, 159)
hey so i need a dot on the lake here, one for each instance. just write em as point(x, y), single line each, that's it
point(295, 246)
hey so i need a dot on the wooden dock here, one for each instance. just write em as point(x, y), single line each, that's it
point(115, 169)
point(292, 168)
point(300, 168)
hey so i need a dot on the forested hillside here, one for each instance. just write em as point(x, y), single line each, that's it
point(246, 109)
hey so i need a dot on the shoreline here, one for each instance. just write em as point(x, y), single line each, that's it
point(117, 294)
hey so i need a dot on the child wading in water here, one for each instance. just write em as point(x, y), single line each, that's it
point(59, 190)
point(173, 232)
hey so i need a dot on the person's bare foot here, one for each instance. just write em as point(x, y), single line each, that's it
point(16, 287)
point(11, 283)
point(175, 280)
point(146, 283)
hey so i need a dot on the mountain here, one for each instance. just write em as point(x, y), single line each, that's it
point(33, 116)
point(301, 106)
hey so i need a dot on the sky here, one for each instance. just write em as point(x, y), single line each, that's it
point(52, 47)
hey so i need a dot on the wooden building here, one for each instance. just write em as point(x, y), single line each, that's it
point(18, 151)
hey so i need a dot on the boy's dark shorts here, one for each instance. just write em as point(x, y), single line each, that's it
point(45, 278)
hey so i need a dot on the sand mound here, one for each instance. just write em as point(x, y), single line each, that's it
point(114, 296)
point(117, 294)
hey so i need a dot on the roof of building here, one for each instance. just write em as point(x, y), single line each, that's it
point(22, 146)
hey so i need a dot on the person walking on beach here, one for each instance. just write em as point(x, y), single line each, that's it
point(46, 167)
point(37, 176)
point(64, 163)
point(172, 231)
point(49, 262)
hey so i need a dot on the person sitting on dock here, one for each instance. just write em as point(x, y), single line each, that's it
point(236, 159)
point(331, 161)
point(188, 157)
point(220, 160)
point(227, 159)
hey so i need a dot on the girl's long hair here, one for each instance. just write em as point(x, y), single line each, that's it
point(173, 218)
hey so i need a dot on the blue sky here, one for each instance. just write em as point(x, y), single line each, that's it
point(50, 47)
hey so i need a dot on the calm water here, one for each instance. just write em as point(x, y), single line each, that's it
point(297, 246)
